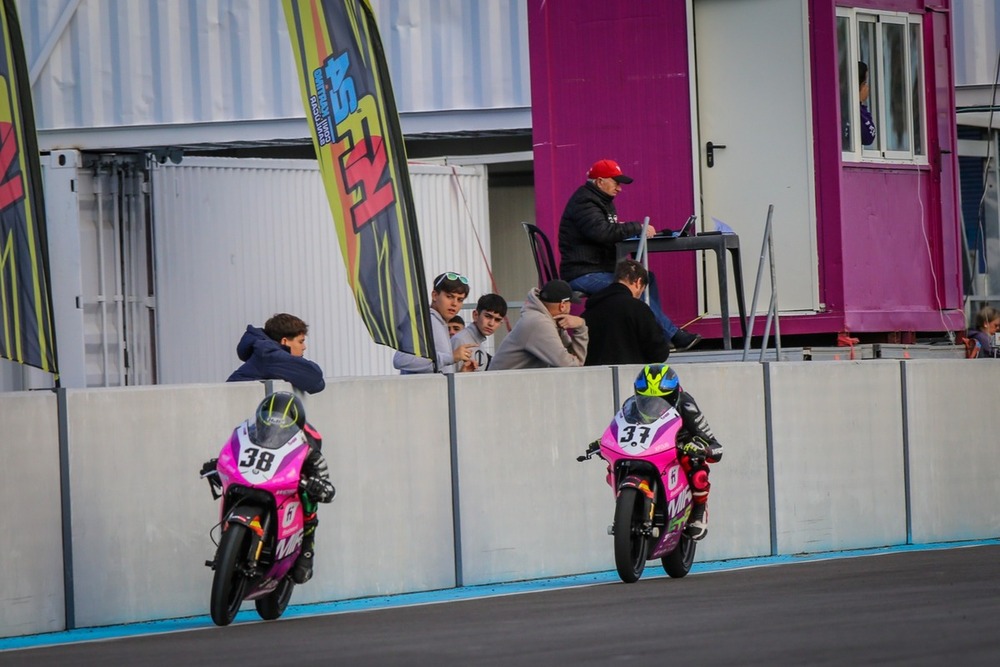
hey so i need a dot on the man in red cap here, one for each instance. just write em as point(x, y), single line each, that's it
point(588, 232)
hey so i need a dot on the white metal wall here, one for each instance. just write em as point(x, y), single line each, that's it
point(119, 63)
point(977, 37)
point(239, 240)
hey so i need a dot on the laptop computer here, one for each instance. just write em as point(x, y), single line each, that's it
point(686, 230)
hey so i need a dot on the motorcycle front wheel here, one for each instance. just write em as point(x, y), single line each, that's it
point(630, 541)
point(230, 583)
point(678, 562)
point(273, 605)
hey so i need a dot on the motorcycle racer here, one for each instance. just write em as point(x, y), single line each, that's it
point(657, 387)
point(273, 422)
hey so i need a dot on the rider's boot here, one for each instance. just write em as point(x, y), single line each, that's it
point(697, 527)
point(302, 571)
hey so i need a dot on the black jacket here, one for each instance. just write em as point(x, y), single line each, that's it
point(588, 232)
point(623, 330)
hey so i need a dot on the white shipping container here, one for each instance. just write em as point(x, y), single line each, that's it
point(237, 240)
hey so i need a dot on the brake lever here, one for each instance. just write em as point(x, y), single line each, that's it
point(592, 449)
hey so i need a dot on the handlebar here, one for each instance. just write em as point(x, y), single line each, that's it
point(593, 449)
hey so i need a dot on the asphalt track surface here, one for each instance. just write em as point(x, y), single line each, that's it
point(899, 607)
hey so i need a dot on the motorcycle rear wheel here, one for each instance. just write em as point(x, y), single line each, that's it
point(230, 583)
point(630, 542)
point(678, 562)
point(273, 605)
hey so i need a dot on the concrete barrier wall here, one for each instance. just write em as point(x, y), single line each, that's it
point(31, 567)
point(731, 396)
point(141, 514)
point(528, 508)
point(837, 444)
point(389, 530)
point(954, 448)
point(833, 433)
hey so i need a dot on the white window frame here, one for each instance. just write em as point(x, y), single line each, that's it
point(878, 153)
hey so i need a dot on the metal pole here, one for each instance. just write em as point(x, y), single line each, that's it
point(748, 334)
point(771, 307)
point(456, 505)
point(643, 256)
point(774, 288)
point(66, 511)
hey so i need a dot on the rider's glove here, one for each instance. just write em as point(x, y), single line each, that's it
point(700, 448)
point(208, 467)
point(714, 451)
point(319, 490)
point(696, 448)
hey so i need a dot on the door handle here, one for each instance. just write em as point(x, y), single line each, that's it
point(710, 149)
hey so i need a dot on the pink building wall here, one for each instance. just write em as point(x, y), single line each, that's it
point(611, 80)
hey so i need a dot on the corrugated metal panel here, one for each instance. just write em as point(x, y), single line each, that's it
point(112, 63)
point(977, 31)
point(239, 240)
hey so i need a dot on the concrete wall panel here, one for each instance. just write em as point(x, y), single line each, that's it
point(31, 570)
point(953, 424)
point(389, 530)
point(528, 508)
point(838, 455)
point(141, 513)
point(730, 396)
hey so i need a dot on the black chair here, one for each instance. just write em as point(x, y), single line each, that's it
point(541, 252)
point(545, 261)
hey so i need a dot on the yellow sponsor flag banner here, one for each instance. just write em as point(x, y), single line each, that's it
point(26, 334)
point(355, 129)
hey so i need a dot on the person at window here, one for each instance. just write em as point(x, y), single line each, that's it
point(867, 125)
point(588, 232)
point(987, 324)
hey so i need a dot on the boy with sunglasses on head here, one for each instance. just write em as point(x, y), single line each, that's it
point(447, 296)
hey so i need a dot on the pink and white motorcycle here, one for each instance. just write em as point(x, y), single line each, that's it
point(653, 497)
point(262, 520)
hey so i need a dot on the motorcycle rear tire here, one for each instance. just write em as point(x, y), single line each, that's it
point(273, 605)
point(230, 583)
point(678, 562)
point(630, 541)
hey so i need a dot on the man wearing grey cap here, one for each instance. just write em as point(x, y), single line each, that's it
point(546, 335)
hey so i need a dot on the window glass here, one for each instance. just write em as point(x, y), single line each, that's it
point(889, 45)
point(917, 88)
point(847, 120)
point(896, 120)
point(866, 53)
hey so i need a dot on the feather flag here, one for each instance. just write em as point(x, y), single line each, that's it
point(355, 129)
point(26, 334)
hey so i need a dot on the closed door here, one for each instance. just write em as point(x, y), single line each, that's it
point(754, 106)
